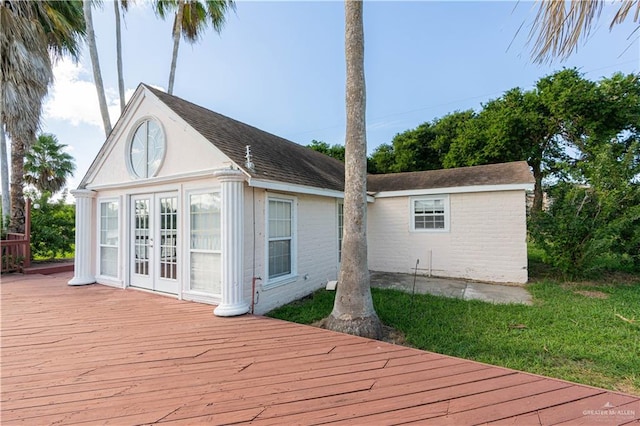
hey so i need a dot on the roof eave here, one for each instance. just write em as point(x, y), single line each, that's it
point(456, 190)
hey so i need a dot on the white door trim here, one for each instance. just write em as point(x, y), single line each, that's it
point(145, 257)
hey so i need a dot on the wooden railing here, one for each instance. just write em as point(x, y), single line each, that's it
point(16, 248)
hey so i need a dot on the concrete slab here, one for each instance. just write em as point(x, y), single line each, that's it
point(449, 287)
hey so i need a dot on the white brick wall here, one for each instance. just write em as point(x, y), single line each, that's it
point(486, 240)
point(316, 251)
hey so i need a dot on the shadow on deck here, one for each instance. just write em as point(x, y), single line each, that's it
point(96, 354)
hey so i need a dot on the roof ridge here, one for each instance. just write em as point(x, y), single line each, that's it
point(446, 169)
point(241, 123)
point(274, 157)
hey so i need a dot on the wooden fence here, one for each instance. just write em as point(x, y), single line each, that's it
point(16, 248)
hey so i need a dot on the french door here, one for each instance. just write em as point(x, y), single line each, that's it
point(154, 242)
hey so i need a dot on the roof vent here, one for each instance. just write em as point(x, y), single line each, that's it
point(249, 164)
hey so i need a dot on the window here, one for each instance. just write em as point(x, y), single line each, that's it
point(109, 238)
point(280, 252)
point(430, 213)
point(205, 246)
point(146, 150)
point(169, 237)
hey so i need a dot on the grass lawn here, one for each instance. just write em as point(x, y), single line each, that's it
point(585, 332)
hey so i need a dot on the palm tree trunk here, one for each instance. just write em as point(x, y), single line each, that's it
point(4, 165)
point(17, 181)
point(538, 194)
point(116, 5)
point(176, 44)
point(95, 64)
point(353, 310)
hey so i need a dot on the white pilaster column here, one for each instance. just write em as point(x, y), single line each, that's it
point(232, 217)
point(82, 268)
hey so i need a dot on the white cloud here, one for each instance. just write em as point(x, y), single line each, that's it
point(73, 97)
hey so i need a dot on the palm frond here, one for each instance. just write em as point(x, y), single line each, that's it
point(163, 8)
point(26, 67)
point(47, 166)
point(559, 25)
point(217, 11)
point(65, 27)
point(623, 12)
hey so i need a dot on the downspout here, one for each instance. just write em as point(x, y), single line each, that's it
point(253, 269)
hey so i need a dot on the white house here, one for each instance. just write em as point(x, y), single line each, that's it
point(184, 201)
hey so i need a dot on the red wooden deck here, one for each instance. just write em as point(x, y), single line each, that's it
point(98, 355)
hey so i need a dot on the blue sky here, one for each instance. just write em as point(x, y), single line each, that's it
point(279, 66)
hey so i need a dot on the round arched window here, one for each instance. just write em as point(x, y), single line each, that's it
point(147, 148)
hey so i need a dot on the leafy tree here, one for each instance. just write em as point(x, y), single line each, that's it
point(383, 159)
point(448, 128)
point(593, 223)
point(334, 151)
point(559, 25)
point(595, 227)
point(190, 19)
point(514, 127)
point(47, 167)
point(414, 150)
point(31, 31)
point(52, 228)
point(353, 310)
point(552, 127)
point(422, 148)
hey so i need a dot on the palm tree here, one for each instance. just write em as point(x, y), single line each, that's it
point(191, 18)
point(95, 65)
point(124, 5)
point(4, 175)
point(31, 31)
point(353, 310)
point(559, 25)
point(47, 166)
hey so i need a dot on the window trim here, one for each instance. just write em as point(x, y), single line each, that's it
point(158, 199)
point(284, 279)
point(99, 244)
point(186, 288)
point(129, 145)
point(412, 213)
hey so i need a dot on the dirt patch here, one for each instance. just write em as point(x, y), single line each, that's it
point(396, 337)
point(592, 294)
point(613, 279)
point(627, 386)
point(621, 278)
point(389, 334)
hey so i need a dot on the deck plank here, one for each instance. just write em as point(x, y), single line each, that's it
point(95, 354)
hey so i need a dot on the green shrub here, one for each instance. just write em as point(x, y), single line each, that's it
point(587, 231)
point(52, 229)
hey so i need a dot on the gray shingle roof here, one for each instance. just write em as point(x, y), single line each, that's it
point(280, 160)
point(491, 174)
point(274, 158)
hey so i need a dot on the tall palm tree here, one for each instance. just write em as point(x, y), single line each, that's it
point(32, 33)
point(117, 5)
point(353, 310)
point(4, 175)
point(47, 166)
point(95, 65)
point(560, 24)
point(191, 19)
